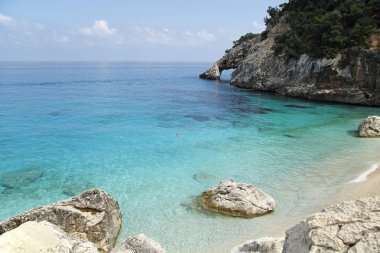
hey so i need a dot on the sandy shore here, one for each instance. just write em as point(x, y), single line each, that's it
point(348, 191)
point(368, 188)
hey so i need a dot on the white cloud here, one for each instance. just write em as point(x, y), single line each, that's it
point(258, 27)
point(206, 36)
point(152, 35)
point(100, 28)
point(168, 36)
point(39, 26)
point(198, 37)
point(60, 38)
point(6, 20)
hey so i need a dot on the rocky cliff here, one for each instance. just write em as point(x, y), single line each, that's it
point(350, 77)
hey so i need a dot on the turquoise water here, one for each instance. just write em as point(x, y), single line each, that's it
point(154, 136)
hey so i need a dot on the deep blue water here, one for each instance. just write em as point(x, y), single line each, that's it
point(154, 136)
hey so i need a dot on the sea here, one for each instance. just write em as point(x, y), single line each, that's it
point(155, 136)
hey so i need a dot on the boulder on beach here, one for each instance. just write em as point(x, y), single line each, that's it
point(352, 226)
point(93, 215)
point(37, 237)
point(262, 245)
point(236, 199)
point(138, 244)
point(370, 127)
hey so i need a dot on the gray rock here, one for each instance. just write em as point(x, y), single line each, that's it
point(139, 244)
point(262, 245)
point(370, 127)
point(37, 237)
point(236, 199)
point(350, 77)
point(211, 74)
point(351, 226)
point(94, 216)
point(19, 178)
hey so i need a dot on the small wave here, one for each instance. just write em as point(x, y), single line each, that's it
point(363, 177)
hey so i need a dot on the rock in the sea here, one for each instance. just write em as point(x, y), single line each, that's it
point(212, 74)
point(94, 216)
point(262, 245)
point(37, 237)
point(352, 226)
point(351, 77)
point(370, 127)
point(139, 244)
point(236, 199)
point(19, 178)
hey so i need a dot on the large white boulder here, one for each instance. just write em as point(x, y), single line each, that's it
point(39, 237)
point(370, 127)
point(352, 226)
point(236, 199)
point(93, 215)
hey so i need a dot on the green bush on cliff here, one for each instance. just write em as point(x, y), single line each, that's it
point(323, 28)
point(245, 38)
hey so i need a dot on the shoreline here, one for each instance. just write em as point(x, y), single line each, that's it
point(367, 186)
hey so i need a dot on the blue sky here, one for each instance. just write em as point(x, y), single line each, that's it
point(122, 30)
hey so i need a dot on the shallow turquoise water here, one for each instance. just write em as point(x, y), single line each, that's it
point(154, 136)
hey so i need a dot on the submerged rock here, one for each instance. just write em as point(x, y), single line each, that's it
point(262, 245)
point(298, 106)
point(37, 237)
point(199, 118)
point(71, 188)
point(370, 127)
point(236, 199)
point(94, 216)
point(203, 177)
point(352, 226)
point(139, 244)
point(19, 178)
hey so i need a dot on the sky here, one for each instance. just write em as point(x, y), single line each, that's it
point(123, 30)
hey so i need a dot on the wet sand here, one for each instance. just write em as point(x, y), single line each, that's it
point(368, 188)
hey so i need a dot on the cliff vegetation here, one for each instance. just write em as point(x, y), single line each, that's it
point(326, 27)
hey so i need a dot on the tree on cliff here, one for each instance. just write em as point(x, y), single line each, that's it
point(323, 28)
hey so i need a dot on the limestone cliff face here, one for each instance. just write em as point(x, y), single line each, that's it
point(351, 77)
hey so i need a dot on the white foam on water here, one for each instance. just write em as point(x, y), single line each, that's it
point(363, 177)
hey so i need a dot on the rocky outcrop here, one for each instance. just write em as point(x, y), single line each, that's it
point(370, 127)
point(262, 245)
point(235, 199)
point(352, 226)
point(37, 237)
point(351, 77)
point(94, 216)
point(139, 244)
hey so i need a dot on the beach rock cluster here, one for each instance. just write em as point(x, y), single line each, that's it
point(348, 227)
point(90, 223)
point(370, 127)
point(236, 199)
point(93, 216)
point(350, 77)
point(352, 226)
point(87, 223)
